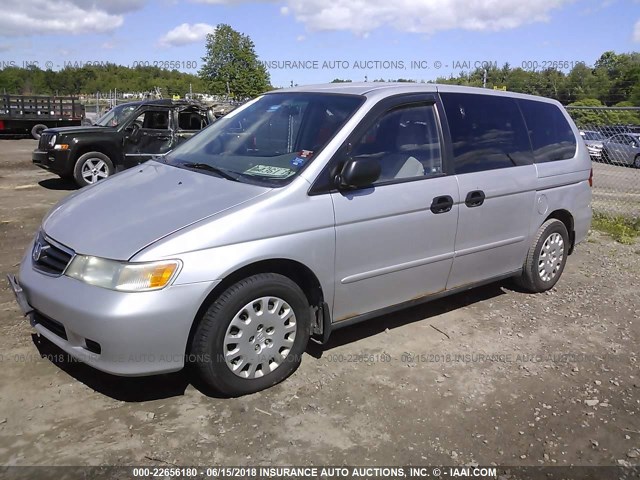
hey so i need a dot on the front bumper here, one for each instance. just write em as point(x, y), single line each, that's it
point(136, 334)
point(56, 161)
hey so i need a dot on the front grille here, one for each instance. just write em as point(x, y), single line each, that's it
point(43, 143)
point(50, 257)
point(50, 324)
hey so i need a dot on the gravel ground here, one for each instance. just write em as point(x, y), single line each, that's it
point(492, 375)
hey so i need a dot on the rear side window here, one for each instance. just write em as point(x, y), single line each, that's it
point(551, 135)
point(487, 132)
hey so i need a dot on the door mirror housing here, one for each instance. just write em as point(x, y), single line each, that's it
point(358, 172)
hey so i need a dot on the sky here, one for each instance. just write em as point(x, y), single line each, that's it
point(316, 41)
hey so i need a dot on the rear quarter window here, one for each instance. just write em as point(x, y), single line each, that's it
point(487, 132)
point(551, 136)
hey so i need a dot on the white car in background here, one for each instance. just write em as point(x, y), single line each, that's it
point(594, 142)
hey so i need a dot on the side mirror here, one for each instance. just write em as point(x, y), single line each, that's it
point(358, 172)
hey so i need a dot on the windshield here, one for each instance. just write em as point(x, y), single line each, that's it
point(269, 140)
point(116, 115)
point(593, 136)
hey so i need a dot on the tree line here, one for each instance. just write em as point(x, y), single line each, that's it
point(98, 78)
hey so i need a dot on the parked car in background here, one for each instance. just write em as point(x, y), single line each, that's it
point(593, 140)
point(123, 137)
point(623, 148)
point(303, 211)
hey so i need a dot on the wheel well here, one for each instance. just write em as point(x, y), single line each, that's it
point(92, 148)
point(565, 217)
point(296, 271)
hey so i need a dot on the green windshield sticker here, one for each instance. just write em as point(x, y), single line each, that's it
point(269, 171)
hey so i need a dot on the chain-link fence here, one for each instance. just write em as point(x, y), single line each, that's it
point(612, 136)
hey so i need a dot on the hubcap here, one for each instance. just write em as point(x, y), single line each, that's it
point(551, 257)
point(94, 169)
point(259, 337)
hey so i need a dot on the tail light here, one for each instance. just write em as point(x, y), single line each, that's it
point(1, 125)
point(591, 178)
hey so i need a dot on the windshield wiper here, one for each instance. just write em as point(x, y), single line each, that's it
point(210, 168)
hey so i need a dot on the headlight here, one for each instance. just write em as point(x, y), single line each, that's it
point(123, 276)
point(52, 141)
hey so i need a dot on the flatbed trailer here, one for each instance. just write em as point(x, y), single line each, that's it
point(31, 115)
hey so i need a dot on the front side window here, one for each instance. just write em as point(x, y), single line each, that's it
point(551, 135)
point(153, 120)
point(269, 140)
point(405, 141)
point(487, 132)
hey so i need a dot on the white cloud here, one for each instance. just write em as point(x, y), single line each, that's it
point(185, 34)
point(232, 2)
point(420, 16)
point(636, 32)
point(38, 17)
point(423, 16)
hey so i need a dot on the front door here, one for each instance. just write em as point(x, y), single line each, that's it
point(394, 240)
point(149, 134)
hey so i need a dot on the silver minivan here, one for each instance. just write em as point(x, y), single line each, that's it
point(303, 211)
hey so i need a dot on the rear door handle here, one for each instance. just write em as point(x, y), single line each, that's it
point(474, 198)
point(442, 204)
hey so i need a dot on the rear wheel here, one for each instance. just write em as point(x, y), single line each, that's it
point(252, 336)
point(91, 168)
point(546, 258)
point(636, 161)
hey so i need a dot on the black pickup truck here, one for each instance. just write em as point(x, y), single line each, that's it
point(127, 135)
point(24, 115)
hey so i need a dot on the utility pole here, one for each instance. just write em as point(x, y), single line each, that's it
point(484, 78)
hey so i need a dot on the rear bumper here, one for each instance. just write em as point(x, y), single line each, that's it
point(55, 161)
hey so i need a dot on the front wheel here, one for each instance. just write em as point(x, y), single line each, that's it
point(92, 167)
point(636, 161)
point(252, 336)
point(546, 258)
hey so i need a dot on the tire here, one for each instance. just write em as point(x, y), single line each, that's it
point(605, 156)
point(255, 299)
point(91, 168)
point(546, 257)
point(636, 162)
point(37, 130)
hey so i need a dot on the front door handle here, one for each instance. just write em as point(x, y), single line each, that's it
point(474, 198)
point(442, 204)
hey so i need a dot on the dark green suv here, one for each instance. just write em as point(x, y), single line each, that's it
point(125, 136)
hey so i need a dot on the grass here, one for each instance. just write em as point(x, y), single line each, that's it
point(622, 229)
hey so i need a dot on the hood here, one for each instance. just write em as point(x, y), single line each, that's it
point(118, 217)
point(594, 143)
point(81, 129)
